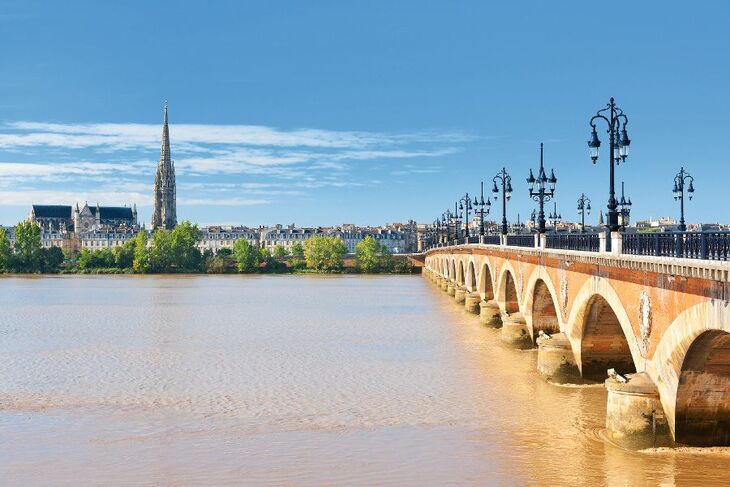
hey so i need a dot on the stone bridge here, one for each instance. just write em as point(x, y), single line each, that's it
point(661, 324)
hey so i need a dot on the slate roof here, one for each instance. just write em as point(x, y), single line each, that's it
point(113, 212)
point(52, 211)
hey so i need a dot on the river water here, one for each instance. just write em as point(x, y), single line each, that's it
point(290, 380)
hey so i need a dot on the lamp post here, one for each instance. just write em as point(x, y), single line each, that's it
point(465, 204)
point(506, 182)
point(544, 191)
point(624, 207)
point(484, 207)
point(618, 151)
point(555, 217)
point(584, 207)
point(446, 221)
point(679, 181)
point(457, 221)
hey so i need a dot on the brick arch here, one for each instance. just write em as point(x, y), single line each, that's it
point(471, 276)
point(540, 275)
point(452, 270)
point(600, 331)
point(604, 344)
point(667, 361)
point(460, 275)
point(486, 281)
point(702, 414)
point(543, 310)
point(508, 296)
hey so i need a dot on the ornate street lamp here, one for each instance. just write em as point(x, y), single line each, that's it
point(506, 182)
point(484, 207)
point(465, 204)
point(618, 151)
point(584, 207)
point(457, 220)
point(446, 221)
point(555, 217)
point(544, 191)
point(679, 181)
point(624, 207)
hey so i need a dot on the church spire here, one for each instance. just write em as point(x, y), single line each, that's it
point(165, 149)
point(165, 214)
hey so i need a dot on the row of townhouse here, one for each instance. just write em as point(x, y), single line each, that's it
point(215, 238)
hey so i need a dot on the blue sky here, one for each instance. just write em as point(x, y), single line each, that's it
point(324, 112)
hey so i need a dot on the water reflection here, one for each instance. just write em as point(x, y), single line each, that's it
point(296, 380)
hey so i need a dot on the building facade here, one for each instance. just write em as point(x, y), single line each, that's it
point(67, 226)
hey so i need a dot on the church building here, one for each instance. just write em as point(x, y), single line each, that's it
point(164, 214)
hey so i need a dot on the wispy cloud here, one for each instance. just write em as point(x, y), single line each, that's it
point(219, 165)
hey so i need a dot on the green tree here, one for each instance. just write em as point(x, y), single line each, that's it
point(225, 252)
point(324, 254)
point(51, 259)
point(367, 254)
point(297, 250)
point(160, 254)
point(6, 253)
point(95, 259)
point(373, 257)
point(27, 247)
point(217, 264)
point(141, 252)
point(185, 255)
point(248, 256)
point(124, 254)
point(280, 252)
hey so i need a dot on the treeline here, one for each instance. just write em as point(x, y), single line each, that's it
point(176, 251)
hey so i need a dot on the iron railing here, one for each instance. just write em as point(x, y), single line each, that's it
point(521, 240)
point(491, 239)
point(587, 242)
point(686, 245)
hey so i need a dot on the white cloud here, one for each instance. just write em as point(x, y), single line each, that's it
point(217, 165)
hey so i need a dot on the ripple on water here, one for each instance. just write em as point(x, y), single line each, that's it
point(288, 380)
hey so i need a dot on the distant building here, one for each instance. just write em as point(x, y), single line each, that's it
point(215, 238)
point(69, 226)
point(164, 214)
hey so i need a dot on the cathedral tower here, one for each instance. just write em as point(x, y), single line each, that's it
point(164, 215)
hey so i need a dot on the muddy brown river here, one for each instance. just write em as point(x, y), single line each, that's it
point(291, 380)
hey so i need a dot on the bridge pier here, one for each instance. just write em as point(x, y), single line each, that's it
point(459, 295)
point(471, 302)
point(515, 332)
point(450, 289)
point(444, 283)
point(556, 361)
point(489, 314)
point(634, 414)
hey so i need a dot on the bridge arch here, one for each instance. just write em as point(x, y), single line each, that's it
point(684, 367)
point(460, 275)
point(508, 296)
point(486, 281)
point(541, 305)
point(601, 329)
point(471, 276)
point(452, 270)
point(702, 415)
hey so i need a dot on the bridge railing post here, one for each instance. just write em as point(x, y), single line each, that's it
point(502, 239)
point(540, 239)
point(617, 243)
point(602, 242)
